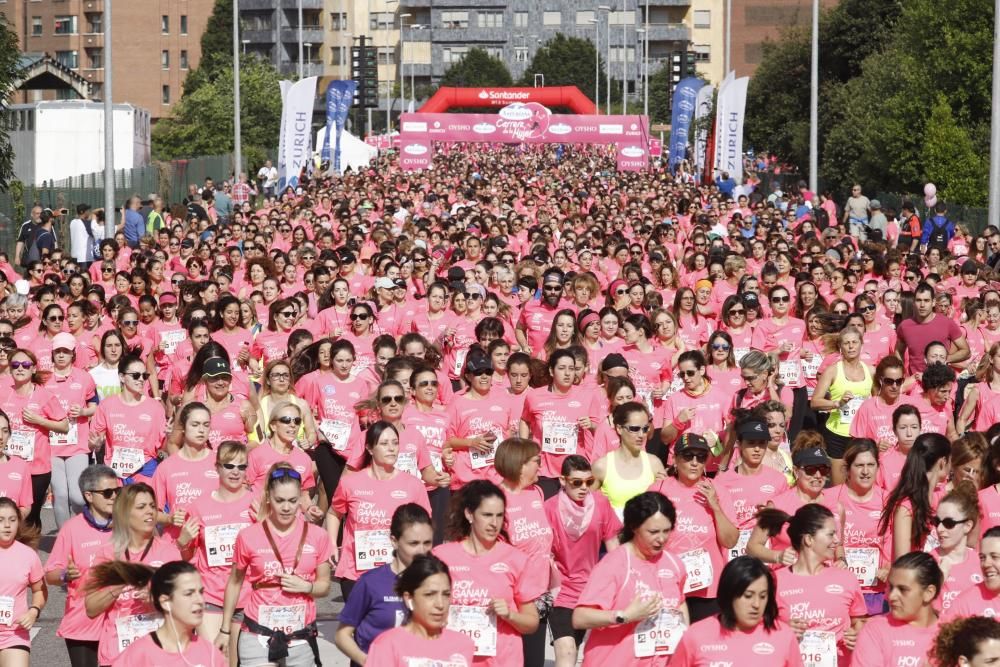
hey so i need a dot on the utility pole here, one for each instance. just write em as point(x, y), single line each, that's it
point(237, 139)
point(109, 128)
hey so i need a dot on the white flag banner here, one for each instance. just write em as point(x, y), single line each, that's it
point(295, 141)
point(732, 122)
point(702, 108)
point(720, 128)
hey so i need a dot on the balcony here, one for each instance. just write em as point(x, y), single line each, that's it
point(93, 40)
point(93, 75)
point(668, 32)
point(669, 3)
point(412, 35)
point(310, 33)
point(470, 35)
point(93, 6)
point(261, 36)
point(416, 3)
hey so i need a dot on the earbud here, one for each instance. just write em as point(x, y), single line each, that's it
point(409, 605)
point(166, 607)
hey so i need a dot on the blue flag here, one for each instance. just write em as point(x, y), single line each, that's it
point(681, 117)
point(339, 97)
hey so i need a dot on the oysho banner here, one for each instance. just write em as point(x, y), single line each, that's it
point(416, 154)
point(632, 158)
point(295, 141)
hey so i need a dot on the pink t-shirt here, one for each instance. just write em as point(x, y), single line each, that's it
point(989, 506)
point(145, 653)
point(264, 455)
point(430, 329)
point(269, 345)
point(432, 427)
point(710, 414)
point(219, 524)
point(79, 542)
point(117, 631)
point(527, 524)
point(552, 418)
point(332, 402)
point(890, 467)
point(366, 505)
point(253, 554)
point(789, 502)
point(536, 321)
point(708, 644)
point(74, 389)
point(504, 573)
point(130, 427)
point(975, 601)
point(28, 441)
point(695, 532)
point(648, 372)
point(827, 602)
point(961, 577)
point(575, 559)
point(769, 335)
point(15, 481)
point(859, 526)
point(21, 568)
point(399, 647)
point(874, 420)
point(750, 492)
point(182, 484)
point(619, 578)
point(886, 642)
point(468, 418)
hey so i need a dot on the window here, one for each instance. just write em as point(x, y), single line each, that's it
point(702, 18)
point(490, 19)
point(95, 23)
point(452, 54)
point(165, 24)
point(69, 59)
point(617, 53)
point(617, 18)
point(36, 26)
point(386, 55)
point(338, 21)
point(584, 16)
point(184, 59)
point(552, 19)
point(65, 25)
point(184, 24)
point(165, 59)
point(520, 19)
point(520, 54)
point(335, 55)
point(703, 53)
point(455, 19)
point(95, 58)
point(495, 52)
point(381, 21)
point(166, 94)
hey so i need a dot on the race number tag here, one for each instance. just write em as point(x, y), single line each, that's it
point(68, 438)
point(171, 339)
point(698, 564)
point(485, 459)
point(219, 542)
point(788, 372)
point(850, 409)
point(336, 432)
point(428, 662)
point(130, 628)
point(659, 634)
point(559, 438)
point(22, 443)
point(407, 462)
point(372, 549)
point(863, 562)
point(811, 368)
point(6, 610)
point(478, 624)
point(127, 460)
point(739, 353)
point(818, 648)
point(286, 618)
point(460, 356)
point(741, 546)
point(436, 461)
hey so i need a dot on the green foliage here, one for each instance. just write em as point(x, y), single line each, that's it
point(477, 68)
point(568, 61)
point(202, 121)
point(659, 95)
point(950, 159)
point(10, 71)
point(216, 46)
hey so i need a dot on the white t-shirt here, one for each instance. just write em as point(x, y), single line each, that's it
point(269, 176)
point(79, 241)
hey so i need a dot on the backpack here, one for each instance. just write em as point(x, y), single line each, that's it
point(939, 233)
point(34, 254)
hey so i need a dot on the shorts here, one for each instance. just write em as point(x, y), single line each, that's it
point(252, 649)
point(561, 625)
point(876, 604)
point(216, 609)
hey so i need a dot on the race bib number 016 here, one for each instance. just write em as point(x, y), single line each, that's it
point(478, 624)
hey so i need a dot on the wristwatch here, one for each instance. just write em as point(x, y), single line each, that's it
point(620, 617)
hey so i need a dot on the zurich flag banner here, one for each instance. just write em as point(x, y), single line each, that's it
point(682, 115)
point(339, 97)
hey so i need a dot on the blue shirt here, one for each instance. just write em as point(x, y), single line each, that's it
point(135, 227)
point(373, 606)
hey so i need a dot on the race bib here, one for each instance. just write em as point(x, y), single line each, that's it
point(659, 634)
point(219, 542)
point(478, 624)
point(818, 648)
point(22, 443)
point(739, 353)
point(646, 397)
point(460, 356)
point(850, 409)
point(741, 546)
point(559, 438)
point(68, 438)
point(6, 610)
point(428, 662)
point(127, 460)
point(407, 462)
point(698, 564)
point(337, 433)
point(788, 372)
point(863, 562)
point(436, 461)
point(372, 549)
point(811, 368)
point(171, 339)
point(286, 618)
point(485, 459)
point(130, 628)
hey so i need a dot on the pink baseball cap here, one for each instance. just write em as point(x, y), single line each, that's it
point(64, 341)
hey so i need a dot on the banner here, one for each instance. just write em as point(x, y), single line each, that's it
point(416, 154)
point(295, 141)
point(655, 147)
point(720, 112)
point(339, 96)
point(730, 141)
point(702, 109)
point(632, 157)
point(684, 105)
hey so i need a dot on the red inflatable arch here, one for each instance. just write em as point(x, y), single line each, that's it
point(552, 96)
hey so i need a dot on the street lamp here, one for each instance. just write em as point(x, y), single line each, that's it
point(597, 65)
point(308, 46)
point(402, 45)
point(607, 58)
point(624, 57)
point(237, 138)
point(301, 66)
point(388, 88)
point(814, 101)
point(343, 54)
point(245, 42)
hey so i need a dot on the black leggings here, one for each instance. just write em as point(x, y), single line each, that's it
point(346, 586)
point(533, 646)
point(81, 653)
point(440, 500)
point(330, 466)
point(39, 487)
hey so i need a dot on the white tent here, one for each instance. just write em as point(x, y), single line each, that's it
point(354, 152)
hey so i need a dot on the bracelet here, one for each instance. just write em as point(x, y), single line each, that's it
point(38, 611)
point(225, 632)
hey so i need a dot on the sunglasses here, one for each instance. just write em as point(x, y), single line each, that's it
point(737, 311)
point(55, 318)
point(473, 295)
point(386, 400)
point(577, 483)
point(781, 299)
point(481, 372)
point(840, 311)
point(552, 288)
point(636, 429)
point(427, 383)
point(893, 382)
point(812, 471)
point(687, 374)
point(947, 522)
point(700, 456)
point(107, 494)
point(359, 316)
point(286, 420)
point(287, 313)
point(720, 346)
point(130, 323)
point(234, 466)
point(26, 365)
point(107, 270)
point(135, 375)
point(619, 292)
point(286, 472)
point(176, 281)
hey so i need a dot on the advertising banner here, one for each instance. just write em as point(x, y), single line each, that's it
point(702, 109)
point(730, 141)
point(296, 131)
point(415, 154)
point(683, 108)
point(339, 96)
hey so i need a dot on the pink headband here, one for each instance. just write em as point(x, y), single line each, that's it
point(589, 319)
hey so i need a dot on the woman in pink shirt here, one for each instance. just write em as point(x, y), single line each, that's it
point(633, 602)
point(15, 476)
point(364, 503)
point(954, 523)
point(700, 407)
point(41, 344)
point(284, 424)
point(906, 426)
point(747, 629)
point(431, 420)
point(126, 613)
point(905, 635)
point(272, 343)
point(874, 416)
point(723, 370)
point(967, 642)
point(985, 392)
point(494, 585)
point(426, 588)
point(284, 558)
point(22, 571)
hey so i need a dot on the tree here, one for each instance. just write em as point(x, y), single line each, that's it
point(216, 46)
point(568, 61)
point(659, 95)
point(10, 72)
point(202, 121)
point(476, 69)
point(951, 160)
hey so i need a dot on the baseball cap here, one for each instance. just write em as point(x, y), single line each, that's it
point(614, 360)
point(810, 457)
point(874, 203)
point(64, 341)
point(384, 283)
point(168, 298)
point(347, 257)
point(477, 361)
point(216, 367)
point(187, 243)
point(691, 441)
point(752, 429)
point(399, 283)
